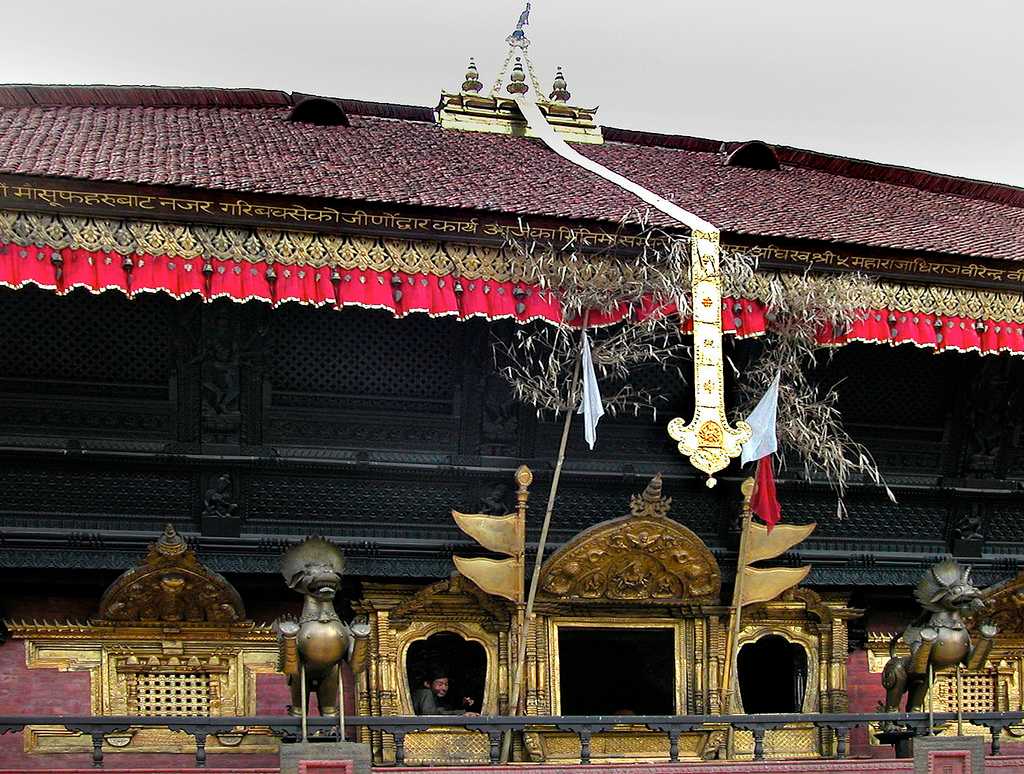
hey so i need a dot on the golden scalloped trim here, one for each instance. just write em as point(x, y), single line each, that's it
point(922, 299)
point(128, 237)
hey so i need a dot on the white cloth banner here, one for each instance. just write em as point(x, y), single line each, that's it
point(540, 126)
point(762, 421)
point(591, 406)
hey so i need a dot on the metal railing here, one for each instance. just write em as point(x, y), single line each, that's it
point(287, 727)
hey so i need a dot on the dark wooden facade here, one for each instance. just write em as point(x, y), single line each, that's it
point(118, 415)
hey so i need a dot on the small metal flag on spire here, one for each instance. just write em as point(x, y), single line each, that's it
point(518, 37)
point(524, 18)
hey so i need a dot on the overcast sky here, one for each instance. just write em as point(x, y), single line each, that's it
point(937, 85)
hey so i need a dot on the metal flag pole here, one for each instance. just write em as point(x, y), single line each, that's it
point(931, 700)
point(735, 615)
point(341, 705)
point(305, 699)
point(959, 701)
point(506, 744)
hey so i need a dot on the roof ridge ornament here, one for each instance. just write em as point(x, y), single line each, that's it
point(517, 80)
point(559, 88)
point(472, 84)
point(518, 39)
point(472, 110)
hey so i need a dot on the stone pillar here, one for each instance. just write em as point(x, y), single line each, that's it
point(325, 758)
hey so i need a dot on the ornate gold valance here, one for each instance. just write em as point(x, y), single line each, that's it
point(420, 256)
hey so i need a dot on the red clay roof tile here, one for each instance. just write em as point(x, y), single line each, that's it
point(242, 141)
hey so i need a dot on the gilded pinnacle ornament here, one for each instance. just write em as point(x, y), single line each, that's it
point(472, 84)
point(559, 89)
point(518, 79)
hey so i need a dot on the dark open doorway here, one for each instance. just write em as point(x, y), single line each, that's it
point(616, 671)
point(772, 675)
point(463, 661)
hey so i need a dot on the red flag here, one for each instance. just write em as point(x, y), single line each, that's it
point(764, 502)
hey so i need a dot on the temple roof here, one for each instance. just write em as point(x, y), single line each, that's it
point(243, 140)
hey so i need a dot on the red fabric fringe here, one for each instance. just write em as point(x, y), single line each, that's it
point(401, 294)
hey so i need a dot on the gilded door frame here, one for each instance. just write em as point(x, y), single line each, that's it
point(419, 631)
point(602, 622)
point(750, 635)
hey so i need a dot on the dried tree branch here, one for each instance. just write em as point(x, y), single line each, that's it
point(652, 291)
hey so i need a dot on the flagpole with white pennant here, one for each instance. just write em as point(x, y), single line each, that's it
point(591, 406)
point(762, 420)
point(524, 630)
point(759, 541)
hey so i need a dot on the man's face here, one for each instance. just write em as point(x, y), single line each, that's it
point(439, 687)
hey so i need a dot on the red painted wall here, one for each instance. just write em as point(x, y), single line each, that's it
point(25, 691)
point(865, 691)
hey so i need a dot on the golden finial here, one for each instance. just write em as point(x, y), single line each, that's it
point(472, 83)
point(524, 476)
point(747, 489)
point(559, 91)
point(518, 77)
point(170, 542)
point(651, 502)
point(653, 491)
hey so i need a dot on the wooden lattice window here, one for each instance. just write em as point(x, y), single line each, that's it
point(979, 692)
point(166, 693)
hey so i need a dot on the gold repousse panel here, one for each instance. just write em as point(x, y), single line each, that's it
point(642, 557)
point(629, 744)
point(451, 746)
point(794, 741)
point(170, 640)
point(171, 688)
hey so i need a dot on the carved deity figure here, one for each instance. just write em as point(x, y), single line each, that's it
point(939, 637)
point(217, 500)
point(220, 362)
point(319, 641)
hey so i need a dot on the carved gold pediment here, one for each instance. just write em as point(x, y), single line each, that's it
point(456, 599)
point(644, 557)
point(171, 584)
point(1006, 605)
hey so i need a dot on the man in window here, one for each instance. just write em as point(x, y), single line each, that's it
point(430, 698)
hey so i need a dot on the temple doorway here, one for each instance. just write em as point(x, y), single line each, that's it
point(463, 661)
point(616, 671)
point(772, 676)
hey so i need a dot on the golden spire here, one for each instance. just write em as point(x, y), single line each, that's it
point(170, 542)
point(517, 82)
point(651, 503)
point(559, 91)
point(492, 108)
point(472, 84)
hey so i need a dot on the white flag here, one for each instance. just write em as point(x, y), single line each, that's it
point(591, 407)
point(762, 421)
